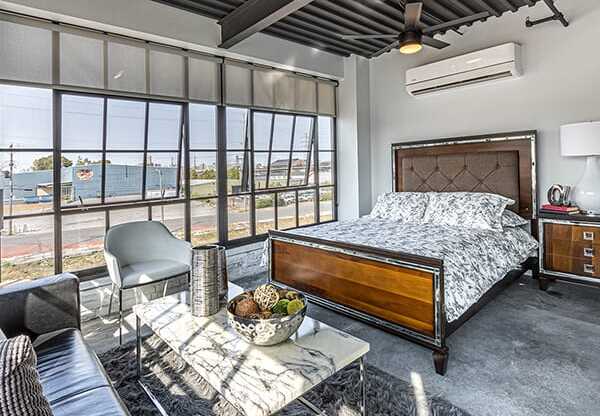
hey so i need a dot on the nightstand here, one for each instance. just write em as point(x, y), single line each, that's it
point(569, 248)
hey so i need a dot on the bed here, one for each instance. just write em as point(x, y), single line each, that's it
point(422, 281)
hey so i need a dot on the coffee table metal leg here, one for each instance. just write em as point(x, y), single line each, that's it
point(138, 352)
point(363, 386)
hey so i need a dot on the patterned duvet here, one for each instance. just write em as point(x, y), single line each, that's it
point(473, 259)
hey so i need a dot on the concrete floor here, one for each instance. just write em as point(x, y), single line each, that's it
point(526, 353)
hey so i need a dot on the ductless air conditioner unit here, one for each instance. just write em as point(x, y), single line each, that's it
point(487, 65)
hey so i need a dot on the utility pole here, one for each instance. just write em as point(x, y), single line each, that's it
point(11, 168)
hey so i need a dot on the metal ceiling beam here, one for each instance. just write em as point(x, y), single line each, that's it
point(254, 16)
point(484, 4)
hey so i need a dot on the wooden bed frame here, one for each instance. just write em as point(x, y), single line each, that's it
point(400, 292)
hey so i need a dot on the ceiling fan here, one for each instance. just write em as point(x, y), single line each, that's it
point(415, 34)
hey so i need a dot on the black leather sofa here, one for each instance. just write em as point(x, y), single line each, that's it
point(48, 311)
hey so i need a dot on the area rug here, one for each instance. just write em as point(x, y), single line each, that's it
point(183, 393)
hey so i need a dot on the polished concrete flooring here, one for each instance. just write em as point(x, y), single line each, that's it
point(526, 353)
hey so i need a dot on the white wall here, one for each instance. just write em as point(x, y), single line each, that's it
point(150, 20)
point(561, 85)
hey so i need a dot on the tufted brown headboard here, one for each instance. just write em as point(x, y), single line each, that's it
point(500, 163)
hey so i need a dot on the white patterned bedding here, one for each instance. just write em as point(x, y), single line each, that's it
point(474, 260)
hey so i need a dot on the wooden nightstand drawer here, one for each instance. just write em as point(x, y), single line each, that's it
point(570, 232)
point(572, 265)
point(579, 249)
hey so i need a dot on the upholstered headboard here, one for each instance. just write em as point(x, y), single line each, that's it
point(503, 164)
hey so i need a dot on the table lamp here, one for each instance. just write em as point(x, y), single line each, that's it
point(583, 139)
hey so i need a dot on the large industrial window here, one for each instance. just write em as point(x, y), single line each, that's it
point(210, 173)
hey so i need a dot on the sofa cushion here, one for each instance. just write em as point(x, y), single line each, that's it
point(67, 367)
point(101, 401)
point(20, 389)
point(150, 271)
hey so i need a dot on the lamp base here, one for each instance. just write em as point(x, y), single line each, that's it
point(587, 191)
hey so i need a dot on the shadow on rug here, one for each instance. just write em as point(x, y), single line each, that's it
point(182, 392)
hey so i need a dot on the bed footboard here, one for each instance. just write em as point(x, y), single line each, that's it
point(400, 293)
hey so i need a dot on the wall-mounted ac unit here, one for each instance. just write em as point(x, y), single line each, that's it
point(487, 65)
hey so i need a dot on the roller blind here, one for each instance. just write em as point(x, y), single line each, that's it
point(306, 95)
point(126, 67)
point(285, 91)
point(166, 74)
point(238, 88)
point(204, 79)
point(326, 98)
point(81, 61)
point(263, 82)
point(25, 53)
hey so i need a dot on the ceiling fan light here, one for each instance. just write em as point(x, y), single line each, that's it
point(410, 43)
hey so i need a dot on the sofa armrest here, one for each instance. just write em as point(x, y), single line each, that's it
point(40, 306)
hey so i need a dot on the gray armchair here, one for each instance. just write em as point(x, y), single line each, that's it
point(140, 253)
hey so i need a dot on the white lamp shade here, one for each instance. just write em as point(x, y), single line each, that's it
point(580, 139)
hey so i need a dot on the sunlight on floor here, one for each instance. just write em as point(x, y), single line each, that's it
point(420, 397)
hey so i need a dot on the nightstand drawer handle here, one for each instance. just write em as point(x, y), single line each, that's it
point(588, 235)
point(588, 268)
point(588, 252)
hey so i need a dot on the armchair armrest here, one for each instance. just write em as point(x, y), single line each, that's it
point(114, 269)
point(179, 250)
point(40, 306)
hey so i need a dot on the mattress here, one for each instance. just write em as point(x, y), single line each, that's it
point(474, 260)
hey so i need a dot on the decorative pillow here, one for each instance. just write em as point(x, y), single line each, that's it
point(2, 336)
point(466, 209)
point(21, 393)
point(406, 207)
point(511, 219)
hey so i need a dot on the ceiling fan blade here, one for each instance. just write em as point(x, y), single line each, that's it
point(374, 36)
point(434, 43)
point(454, 24)
point(412, 15)
point(386, 49)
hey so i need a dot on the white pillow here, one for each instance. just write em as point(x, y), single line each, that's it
point(466, 209)
point(511, 219)
point(405, 207)
point(2, 336)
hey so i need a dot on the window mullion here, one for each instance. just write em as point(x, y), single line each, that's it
point(291, 151)
point(104, 139)
point(312, 149)
point(145, 158)
point(57, 179)
point(270, 152)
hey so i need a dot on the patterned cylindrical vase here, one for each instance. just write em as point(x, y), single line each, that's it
point(205, 280)
point(223, 286)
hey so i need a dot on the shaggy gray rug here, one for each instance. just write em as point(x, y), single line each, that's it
point(182, 392)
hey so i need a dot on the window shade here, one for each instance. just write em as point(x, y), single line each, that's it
point(126, 67)
point(306, 95)
point(285, 91)
point(204, 80)
point(263, 83)
point(238, 88)
point(166, 74)
point(326, 98)
point(25, 53)
point(81, 61)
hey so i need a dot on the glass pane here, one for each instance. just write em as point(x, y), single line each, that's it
point(278, 174)
point(82, 122)
point(325, 168)
point(237, 172)
point(125, 125)
point(326, 204)
point(298, 170)
point(27, 248)
point(204, 222)
point(238, 217)
point(25, 117)
point(123, 176)
point(164, 126)
point(81, 181)
point(302, 133)
point(236, 128)
point(161, 175)
point(173, 216)
point(286, 210)
point(203, 174)
point(203, 126)
point(123, 216)
point(261, 163)
point(325, 133)
point(265, 213)
point(262, 130)
point(83, 240)
point(27, 182)
point(282, 132)
point(306, 206)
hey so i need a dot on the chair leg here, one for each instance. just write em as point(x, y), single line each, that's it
point(120, 316)
point(112, 295)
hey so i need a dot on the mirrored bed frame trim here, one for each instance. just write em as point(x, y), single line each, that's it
point(303, 274)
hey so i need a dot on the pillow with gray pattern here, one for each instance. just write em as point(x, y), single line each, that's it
point(511, 219)
point(21, 393)
point(405, 207)
point(466, 209)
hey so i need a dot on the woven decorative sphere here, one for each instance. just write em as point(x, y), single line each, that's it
point(266, 296)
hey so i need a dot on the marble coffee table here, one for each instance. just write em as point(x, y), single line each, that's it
point(258, 381)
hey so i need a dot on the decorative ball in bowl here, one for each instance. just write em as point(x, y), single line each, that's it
point(267, 315)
